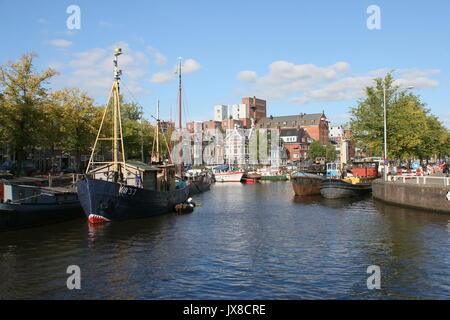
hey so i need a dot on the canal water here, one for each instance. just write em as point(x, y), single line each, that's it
point(253, 241)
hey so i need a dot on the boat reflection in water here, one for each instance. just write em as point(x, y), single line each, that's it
point(341, 203)
point(307, 200)
point(338, 203)
point(343, 188)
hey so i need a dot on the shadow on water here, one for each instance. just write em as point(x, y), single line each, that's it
point(330, 203)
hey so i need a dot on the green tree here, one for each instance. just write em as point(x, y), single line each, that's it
point(330, 152)
point(23, 93)
point(73, 122)
point(138, 133)
point(411, 131)
point(316, 150)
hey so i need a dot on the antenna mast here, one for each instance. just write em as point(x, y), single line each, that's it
point(158, 155)
point(180, 123)
point(117, 134)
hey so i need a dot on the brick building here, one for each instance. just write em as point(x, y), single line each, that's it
point(296, 142)
point(315, 124)
point(256, 109)
point(166, 126)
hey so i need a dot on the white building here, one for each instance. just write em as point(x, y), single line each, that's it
point(239, 111)
point(220, 112)
point(336, 132)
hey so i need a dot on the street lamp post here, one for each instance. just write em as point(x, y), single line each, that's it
point(386, 161)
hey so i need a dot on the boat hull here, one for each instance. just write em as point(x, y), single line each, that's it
point(229, 177)
point(108, 201)
point(334, 189)
point(306, 185)
point(199, 186)
point(17, 216)
point(274, 178)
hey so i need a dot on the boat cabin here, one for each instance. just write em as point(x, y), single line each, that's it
point(24, 194)
point(140, 175)
point(221, 169)
point(334, 170)
point(365, 169)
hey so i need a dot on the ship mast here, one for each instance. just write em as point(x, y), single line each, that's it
point(180, 123)
point(158, 155)
point(118, 151)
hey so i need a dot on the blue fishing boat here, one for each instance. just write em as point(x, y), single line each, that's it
point(118, 189)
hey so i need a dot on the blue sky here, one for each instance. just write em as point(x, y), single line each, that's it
point(301, 56)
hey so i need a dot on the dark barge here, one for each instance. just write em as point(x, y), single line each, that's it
point(23, 206)
point(334, 189)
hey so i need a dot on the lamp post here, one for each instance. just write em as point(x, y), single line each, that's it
point(386, 161)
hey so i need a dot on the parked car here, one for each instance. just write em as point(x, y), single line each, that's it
point(7, 166)
point(28, 167)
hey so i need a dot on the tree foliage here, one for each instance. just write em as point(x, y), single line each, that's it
point(33, 117)
point(23, 94)
point(330, 152)
point(411, 130)
point(316, 150)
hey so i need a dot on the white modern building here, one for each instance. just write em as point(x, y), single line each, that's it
point(336, 132)
point(239, 111)
point(220, 112)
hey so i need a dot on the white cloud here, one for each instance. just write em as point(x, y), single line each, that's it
point(308, 82)
point(446, 119)
point(159, 58)
point(188, 66)
point(247, 76)
point(417, 78)
point(61, 43)
point(162, 77)
point(92, 70)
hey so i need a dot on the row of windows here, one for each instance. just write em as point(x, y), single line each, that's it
point(293, 123)
point(294, 139)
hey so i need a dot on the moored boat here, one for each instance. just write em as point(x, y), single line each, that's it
point(120, 190)
point(253, 175)
point(198, 181)
point(343, 188)
point(306, 183)
point(271, 174)
point(26, 206)
point(104, 200)
point(225, 174)
point(277, 177)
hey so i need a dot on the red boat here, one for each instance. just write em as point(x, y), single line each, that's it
point(306, 183)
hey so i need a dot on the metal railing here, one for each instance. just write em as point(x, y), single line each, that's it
point(445, 181)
